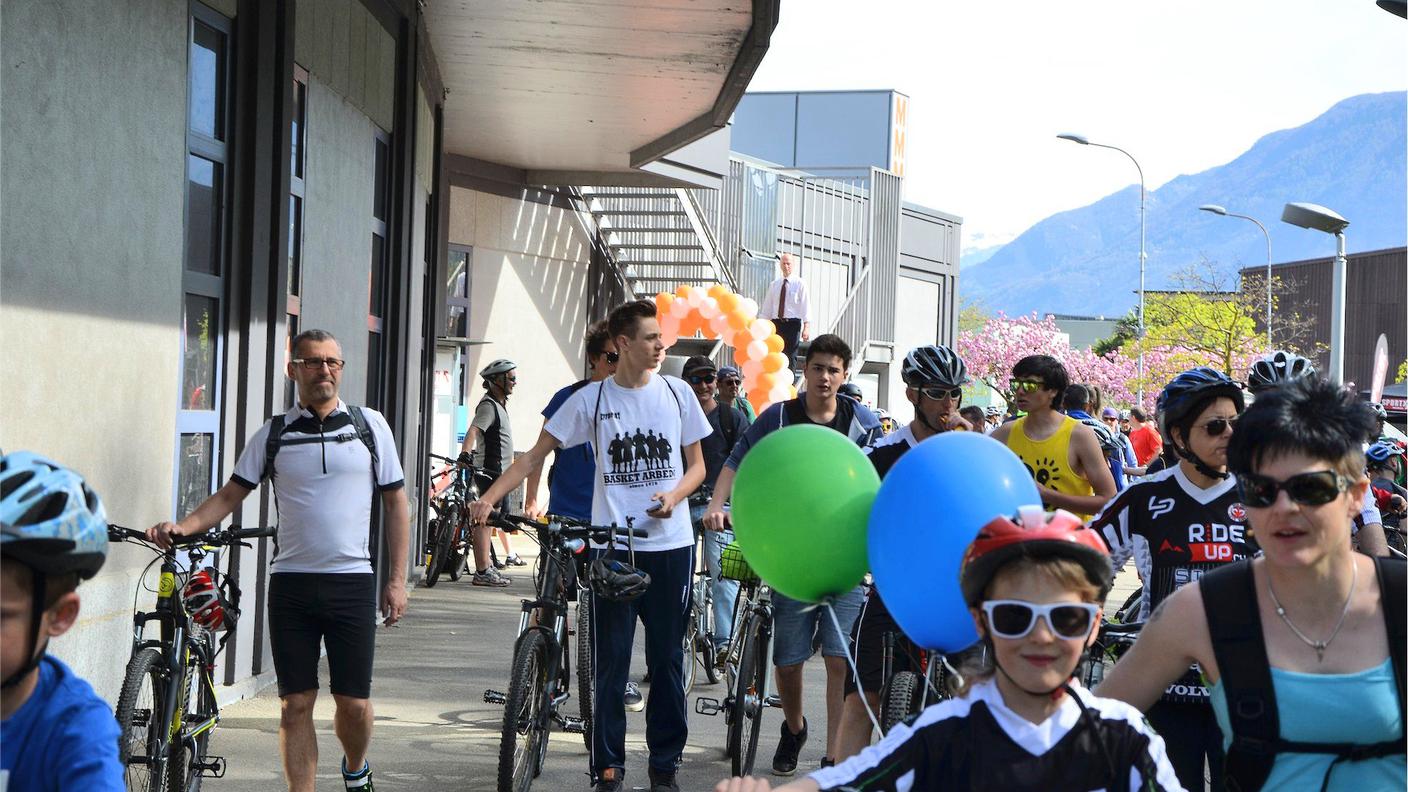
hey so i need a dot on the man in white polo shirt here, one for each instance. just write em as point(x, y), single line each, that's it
point(326, 461)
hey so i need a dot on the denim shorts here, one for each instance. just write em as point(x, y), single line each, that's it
point(795, 627)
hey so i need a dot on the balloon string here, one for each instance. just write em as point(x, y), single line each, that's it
point(855, 672)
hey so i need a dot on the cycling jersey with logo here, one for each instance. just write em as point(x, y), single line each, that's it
point(976, 742)
point(1175, 532)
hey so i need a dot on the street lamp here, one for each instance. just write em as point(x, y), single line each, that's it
point(1318, 218)
point(1081, 139)
point(1218, 210)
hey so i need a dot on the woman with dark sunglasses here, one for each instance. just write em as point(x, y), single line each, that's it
point(1177, 524)
point(1034, 587)
point(1301, 648)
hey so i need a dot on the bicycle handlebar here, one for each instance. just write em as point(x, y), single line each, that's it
point(1117, 628)
point(217, 536)
point(566, 526)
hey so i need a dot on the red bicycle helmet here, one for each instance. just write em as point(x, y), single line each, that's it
point(1036, 535)
point(206, 602)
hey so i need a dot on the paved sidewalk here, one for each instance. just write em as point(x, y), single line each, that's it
point(433, 730)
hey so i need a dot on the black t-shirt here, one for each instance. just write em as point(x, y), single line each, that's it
point(841, 422)
point(716, 447)
point(887, 450)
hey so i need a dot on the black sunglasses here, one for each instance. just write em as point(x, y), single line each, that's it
point(1307, 489)
point(1217, 426)
point(613, 358)
point(696, 379)
point(937, 393)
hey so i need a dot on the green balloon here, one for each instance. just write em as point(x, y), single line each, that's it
point(801, 508)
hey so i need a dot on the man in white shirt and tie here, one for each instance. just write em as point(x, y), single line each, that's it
point(787, 306)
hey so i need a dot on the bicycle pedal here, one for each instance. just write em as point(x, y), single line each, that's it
point(495, 697)
point(574, 725)
point(773, 701)
point(708, 706)
point(210, 766)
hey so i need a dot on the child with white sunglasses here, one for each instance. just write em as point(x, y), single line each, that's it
point(1019, 722)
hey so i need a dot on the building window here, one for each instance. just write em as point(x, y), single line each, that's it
point(457, 293)
point(376, 277)
point(204, 265)
point(297, 174)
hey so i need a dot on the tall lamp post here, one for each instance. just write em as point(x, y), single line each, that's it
point(1218, 210)
point(1086, 142)
point(1318, 218)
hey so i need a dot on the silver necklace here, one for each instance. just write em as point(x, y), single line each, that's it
point(1318, 646)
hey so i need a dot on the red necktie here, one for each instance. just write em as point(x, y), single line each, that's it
point(782, 300)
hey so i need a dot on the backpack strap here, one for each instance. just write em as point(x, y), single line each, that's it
point(729, 424)
point(364, 433)
point(271, 446)
point(1393, 590)
point(1234, 624)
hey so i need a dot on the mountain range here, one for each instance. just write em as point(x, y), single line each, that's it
point(1085, 261)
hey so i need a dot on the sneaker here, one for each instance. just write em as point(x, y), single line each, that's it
point(490, 577)
point(635, 702)
point(784, 762)
point(360, 781)
point(663, 781)
point(610, 780)
point(514, 560)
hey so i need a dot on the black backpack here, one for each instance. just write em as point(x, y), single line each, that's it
point(275, 440)
point(1234, 623)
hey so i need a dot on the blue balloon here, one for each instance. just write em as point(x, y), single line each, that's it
point(930, 506)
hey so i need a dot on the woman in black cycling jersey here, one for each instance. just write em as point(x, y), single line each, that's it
point(1177, 524)
point(1034, 588)
point(1303, 664)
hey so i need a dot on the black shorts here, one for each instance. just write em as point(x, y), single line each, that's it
point(307, 609)
point(868, 646)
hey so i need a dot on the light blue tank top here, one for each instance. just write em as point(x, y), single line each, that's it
point(1337, 708)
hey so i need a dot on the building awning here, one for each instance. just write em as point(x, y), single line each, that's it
point(589, 93)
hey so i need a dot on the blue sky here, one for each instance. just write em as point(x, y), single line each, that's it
point(1182, 86)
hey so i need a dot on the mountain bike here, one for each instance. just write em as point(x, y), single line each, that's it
point(746, 664)
point(541, 671)
point(699, 633)
point(167, 709)
point(449, 538)
point(907, 693)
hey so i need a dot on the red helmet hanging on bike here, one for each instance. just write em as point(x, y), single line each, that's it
point(1036, 535)
point(206, 602)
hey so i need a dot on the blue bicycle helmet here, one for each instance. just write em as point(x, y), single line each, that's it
point(50, 520)
point(1191, 391)
point(53, 523)
point(1383, 451)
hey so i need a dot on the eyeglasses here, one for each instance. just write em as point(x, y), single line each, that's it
point(511, 380)
point(1307, 489)
point(613, 358)
point(937, 393)
point(1217, 426)
point(313, 364)
point(1027, 386)
point(697, 379)
point(730, 381)
point(1015, 618)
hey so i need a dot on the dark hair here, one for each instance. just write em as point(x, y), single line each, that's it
point(55, 585)
point(311, 334)
point(1308, 416)
point(829, 344)
point(1076, 397)
point(1138, 414)
point(1046, 368)
point(975, 414)
point(624, 320)
point(1184, 424)
point(597, 336)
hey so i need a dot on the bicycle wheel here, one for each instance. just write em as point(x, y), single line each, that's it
point(691, 662)
point(748, 703)
point(901, 699)
point(139, 707)
point(457, 553)
point(439, 552)
point(525, 714)
point(187, 756)
point(585, 681)
point(707, 653)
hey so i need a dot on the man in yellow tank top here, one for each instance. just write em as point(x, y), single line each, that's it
point(1061, 454)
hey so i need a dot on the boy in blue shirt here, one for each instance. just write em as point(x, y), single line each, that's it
point(55, 733)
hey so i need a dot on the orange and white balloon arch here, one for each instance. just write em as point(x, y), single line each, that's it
point(718, 312)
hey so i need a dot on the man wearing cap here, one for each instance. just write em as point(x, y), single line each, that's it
point(787, 306)
point(730, 381)
point(727, 423)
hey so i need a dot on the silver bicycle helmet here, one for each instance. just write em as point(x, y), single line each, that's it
point(933, 365)
point(1277, 368)
point(500, 366)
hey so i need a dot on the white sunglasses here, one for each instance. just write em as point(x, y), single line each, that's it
point(1016, 618)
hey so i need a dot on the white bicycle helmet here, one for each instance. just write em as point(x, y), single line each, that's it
point(1277, 368)
point(500, 366)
